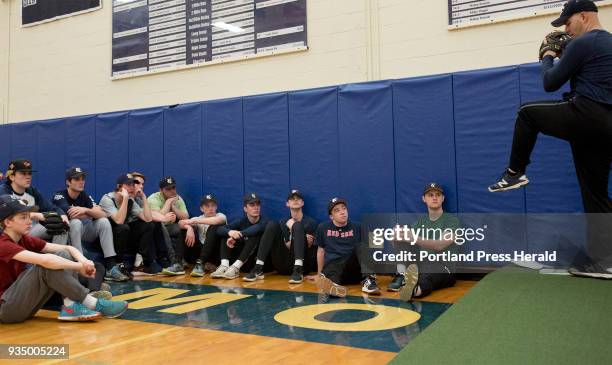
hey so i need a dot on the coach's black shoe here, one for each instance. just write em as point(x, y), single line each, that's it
point(256, 273)
point(370, 286)
point(397, 283)
point(594, 270)
point(297, 276)
point(509, 182)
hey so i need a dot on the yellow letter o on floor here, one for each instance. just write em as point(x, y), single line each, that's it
point(386, 317)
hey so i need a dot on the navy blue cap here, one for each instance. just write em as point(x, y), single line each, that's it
point(10, 206)
point(295, 192)
point(74, 172)
point(250, 198)
point(207, 199)
point(19, 165)
point(166, 182)
point(433, 186)
point(333, 202)
point(125, 179)
point(573, 7)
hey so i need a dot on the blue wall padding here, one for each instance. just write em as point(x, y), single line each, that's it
point(313, 136)
point(424, 140)
point(365, 118)
point(551, 158)
point(183, 151)
point(112, 147)
point(485, 109)
point(223, 154)
point(5, 146)
point(80, 147)
point(376, 144)
point(266, 150)
point(146, 146)
point(51, 163)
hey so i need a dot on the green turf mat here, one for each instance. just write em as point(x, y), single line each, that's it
point(518, 316)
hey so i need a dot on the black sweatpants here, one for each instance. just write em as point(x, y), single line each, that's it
point(243, 250)
point(351, 269)
point(587, 126)
point(272, 247)
point(431, 279)
point(134, 237)
point(210, 249)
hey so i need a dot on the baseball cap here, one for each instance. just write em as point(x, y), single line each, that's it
point(125, 179)
point(250, 198)
point(295, 192)
point(19, 165)
point(573, 7)
point(433, 186)
point(166, 182)
point(333, 202)
point(10, 206)
point(74, 172)
point(207, 199)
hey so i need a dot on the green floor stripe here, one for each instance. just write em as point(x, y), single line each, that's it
point(517, 316)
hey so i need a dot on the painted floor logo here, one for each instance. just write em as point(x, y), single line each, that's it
point(364, 322)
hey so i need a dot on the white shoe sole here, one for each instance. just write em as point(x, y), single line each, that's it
point(258, 277)
point(515, 186)
point(90, 317)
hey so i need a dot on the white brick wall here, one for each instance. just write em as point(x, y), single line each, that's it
point(62, 68)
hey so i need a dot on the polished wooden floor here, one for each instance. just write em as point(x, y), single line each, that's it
point(119, 341)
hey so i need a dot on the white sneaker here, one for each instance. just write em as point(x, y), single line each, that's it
point(219, 272)
point(232, 273)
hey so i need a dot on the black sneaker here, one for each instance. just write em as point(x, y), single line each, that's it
point(397, 283)
point(256, 273)
point(594, 271)
point(370, 286)
point(152, 269)
point(509, 182)
point(297, 276)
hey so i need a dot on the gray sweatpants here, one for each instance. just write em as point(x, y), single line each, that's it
point(88, 230)
point(34, 287)
point(38, 230)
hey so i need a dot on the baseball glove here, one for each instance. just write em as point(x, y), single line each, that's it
point(54, 224)
point(554, 41)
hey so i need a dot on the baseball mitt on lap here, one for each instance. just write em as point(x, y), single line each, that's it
point(54, 224)
point(554, 41)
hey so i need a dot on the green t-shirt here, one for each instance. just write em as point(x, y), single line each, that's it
point(157, 201)
point(435, 230)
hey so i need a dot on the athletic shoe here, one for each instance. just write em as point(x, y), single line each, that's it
point(370, 286)
point(297, 276)
point(209, 267)
point(198, 269)
point(175, 269)
point(152, 269)
point(397, 283)
point(127, 272)
point(219, 272)
point(164, 262)
point(185, 264)
point(594, 271)
point(256, 273)
point(111, 309)
point(102, 294)
point(509, 182)
point(78, 312)
point(115, 274)
point(231, 273)
point(411, 277)
point(328, 287)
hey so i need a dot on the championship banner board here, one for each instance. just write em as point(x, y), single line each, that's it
point(34, 12)
point(466, 13)
point(162, 35)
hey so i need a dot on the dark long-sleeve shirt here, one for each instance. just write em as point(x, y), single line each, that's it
point(245, 227)
point(587, 63)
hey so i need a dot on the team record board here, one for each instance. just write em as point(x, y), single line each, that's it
point(161, 35)
point(465, 13)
